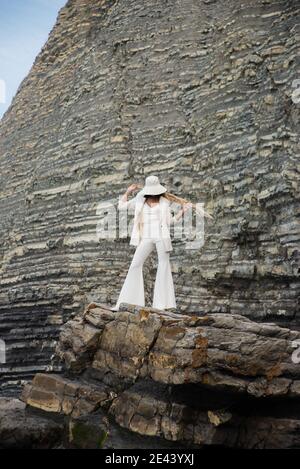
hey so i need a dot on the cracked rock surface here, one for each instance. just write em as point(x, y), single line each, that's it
point(219, 379)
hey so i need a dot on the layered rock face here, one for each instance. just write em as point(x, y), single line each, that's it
point(219, 379)
point(199, 93)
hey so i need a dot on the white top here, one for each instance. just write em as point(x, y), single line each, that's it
point(151, 221)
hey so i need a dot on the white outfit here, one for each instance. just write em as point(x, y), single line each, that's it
point(137, 203)
point(151, 230)
point(151, 222)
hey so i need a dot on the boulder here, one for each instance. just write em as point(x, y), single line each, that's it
point(56, 394)
point(223, 351)
point(219, 379)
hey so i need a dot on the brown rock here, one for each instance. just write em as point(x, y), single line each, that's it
point(52, 393)
point(162, 374)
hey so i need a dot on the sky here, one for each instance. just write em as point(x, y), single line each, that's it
point(24, 29)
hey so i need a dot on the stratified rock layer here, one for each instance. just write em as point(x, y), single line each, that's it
point(215, 380)
point(199, 93)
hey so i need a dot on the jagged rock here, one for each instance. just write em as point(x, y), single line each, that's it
point(197, 381)
point(112, 98)
point(97, 431)
point(79, 338)
point(224, 351)
point(53, 393)
point(20, 429)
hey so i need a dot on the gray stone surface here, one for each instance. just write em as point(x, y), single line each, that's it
point(22, 429)
point(198, 92)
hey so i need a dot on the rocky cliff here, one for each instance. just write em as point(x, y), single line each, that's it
point(190, 381)
point(197, 92)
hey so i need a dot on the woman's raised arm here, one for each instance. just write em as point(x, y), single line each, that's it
point(124, 203)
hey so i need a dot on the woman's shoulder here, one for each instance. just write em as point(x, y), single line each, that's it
point(140, 196)
point(165, 200)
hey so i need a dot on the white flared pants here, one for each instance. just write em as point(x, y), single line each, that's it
point(133, 288)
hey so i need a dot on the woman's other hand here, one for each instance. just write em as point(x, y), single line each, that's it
point(133, 188)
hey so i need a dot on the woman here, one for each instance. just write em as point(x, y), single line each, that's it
point(151, 228)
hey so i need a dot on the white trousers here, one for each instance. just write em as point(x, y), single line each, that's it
point(133, 288)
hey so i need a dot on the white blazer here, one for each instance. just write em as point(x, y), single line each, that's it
point(137, 203)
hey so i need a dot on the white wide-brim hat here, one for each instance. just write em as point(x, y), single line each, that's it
point(153, 186)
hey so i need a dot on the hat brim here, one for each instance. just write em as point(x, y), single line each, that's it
point(154, 190)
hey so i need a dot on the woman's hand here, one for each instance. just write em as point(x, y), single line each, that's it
point(133, 188)
point(187, 207)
